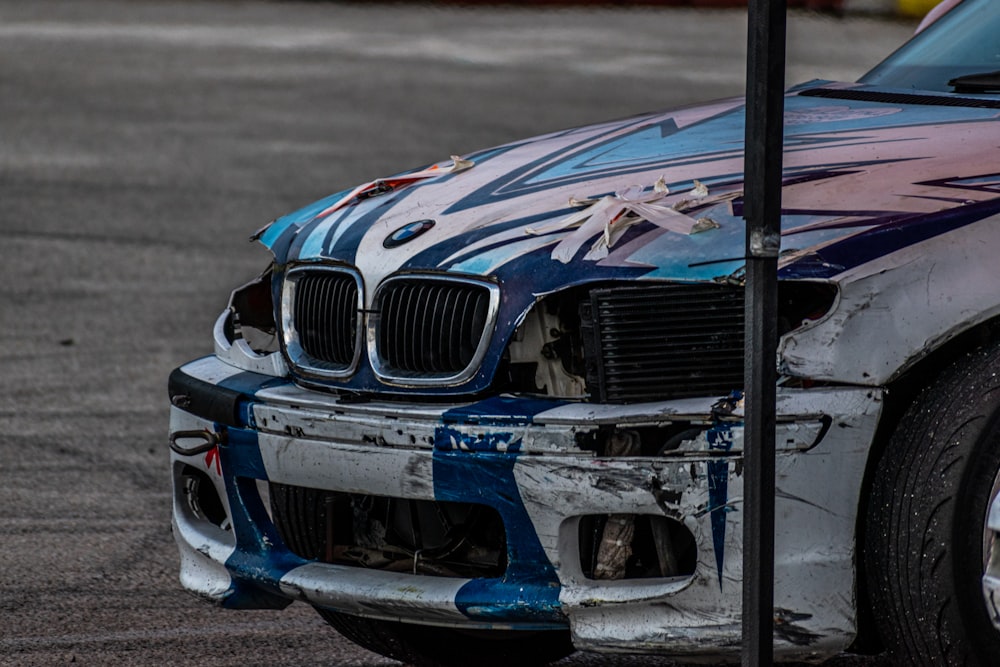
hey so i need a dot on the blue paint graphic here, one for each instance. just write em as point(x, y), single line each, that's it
point(890, 235)
point(528, 592)
point(259, 561)
point(296, 219)
point(500, 411)
point(248, 383)
point(448, 438)
point(720, 438)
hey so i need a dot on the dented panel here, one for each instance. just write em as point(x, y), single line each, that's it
point(894, 311)
point(550, 493)
point(878, 201)
point(504, 391)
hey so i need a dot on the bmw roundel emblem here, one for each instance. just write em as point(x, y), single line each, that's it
point(407, 233)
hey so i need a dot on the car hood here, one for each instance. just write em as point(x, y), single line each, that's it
point(660, 196)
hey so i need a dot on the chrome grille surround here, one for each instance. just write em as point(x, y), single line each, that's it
point(430, 329)
point(321, 320)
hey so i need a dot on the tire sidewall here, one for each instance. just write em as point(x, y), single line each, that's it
point(970, 512)
point(926, 519)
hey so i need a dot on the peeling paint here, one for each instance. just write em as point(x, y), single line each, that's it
point(720, 438)
point(619, 520)
point(451, 438)
point(456, 453)
point(787, 627)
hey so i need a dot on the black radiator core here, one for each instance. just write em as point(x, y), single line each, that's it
point(663, 342)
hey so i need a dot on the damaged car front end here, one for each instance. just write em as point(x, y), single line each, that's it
point(501, 396)
point(508, 511)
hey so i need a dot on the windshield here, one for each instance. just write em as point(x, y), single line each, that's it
point(964, 41)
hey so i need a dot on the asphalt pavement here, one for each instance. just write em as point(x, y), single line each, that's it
point(143, 142)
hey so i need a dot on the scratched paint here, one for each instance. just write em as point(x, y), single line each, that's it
point(863, 182)
point(875, 202)
point(538, 497)
point(447, 438)
point(529, 589)
point(720, 439)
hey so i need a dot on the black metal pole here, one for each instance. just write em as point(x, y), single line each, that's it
point(762, 211)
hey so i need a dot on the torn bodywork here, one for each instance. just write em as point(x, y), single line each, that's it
point(504, 392)
point(558, 517)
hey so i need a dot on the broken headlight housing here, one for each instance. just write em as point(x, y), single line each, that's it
point(622, 344)
point(246, 335)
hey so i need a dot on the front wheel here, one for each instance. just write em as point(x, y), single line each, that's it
point(427, 646)
point(927, 539)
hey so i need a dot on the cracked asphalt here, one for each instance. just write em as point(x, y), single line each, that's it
point(142, 143)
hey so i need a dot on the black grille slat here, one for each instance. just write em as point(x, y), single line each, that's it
point(452, 353)
point(677, 340)
point(678, 364)
point(326, 318)
point(410, 357)
point(662, 342)
point(346, 298)
point(430, 328)
point(322, 312)
point(421, 362)
point(387, 338)
point(465, 326)
point(425, 329)
point(437, 323)
point(455, 347)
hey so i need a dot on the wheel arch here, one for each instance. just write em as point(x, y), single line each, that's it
point(901, 392)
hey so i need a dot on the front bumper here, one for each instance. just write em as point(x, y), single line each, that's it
point(522, 458)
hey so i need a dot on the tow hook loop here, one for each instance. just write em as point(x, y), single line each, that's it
point(206, 440)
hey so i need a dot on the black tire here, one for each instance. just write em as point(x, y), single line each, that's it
point(427, 646)
point(924, 535)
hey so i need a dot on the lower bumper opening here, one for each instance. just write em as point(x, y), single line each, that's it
point(635, 546)
point(446, 539)
point(202, 497)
